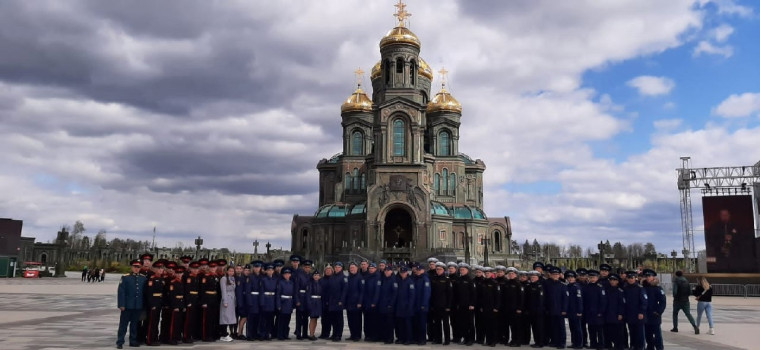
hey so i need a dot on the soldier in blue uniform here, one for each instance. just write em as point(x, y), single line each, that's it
point(582, 281)
point(129, 300)
point(252, 296)
point(300, 278)
point(370, 299)
point(314, 303)
point(556, 297)
point(535, 308)
point(267, 302)
point(336, 301)
point(326, 322)
point(656, 302)
point(636, 301)
point(284, 298)
point(594, 307)
point(241, 310)
point(574, 309)
point(404, 309)
point(386, 302)
point(421, 304)
point(604, 274)
point(354, 296)
point(613, 315)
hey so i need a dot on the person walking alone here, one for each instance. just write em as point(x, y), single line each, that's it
point(704, 293)
point(681, 293)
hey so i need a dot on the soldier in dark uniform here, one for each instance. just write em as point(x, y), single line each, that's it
point(556, 297)
point(208, 289)
point(286, 292)
point(574, 309)
point(314, 303)
point(301, 277)
point(241, 310)
point(386, 303)
point(656, 303)
point(478, 329)
point(154, 293)
point(453, 273)
point(167, 310)
point(421, 304)
point(364, 268)
point(251, 293)
point(635, 310)
point(354, 295)
point(512, 296)
point(582, 281)
point(129, 300)
point(176, 293)
point(190, 330)
point(431, 262)
point(523, 278)
point(613, 318)
point(463, 306)
point(146, 270)
point(336, 301)
point(594, 307)
point(185, 262)
point(543, 271)
point(502, 325)
point(441, 293)
point(370, 299)
point(326, 322)
point(604, 274)
point(267, 295)
point(404, 308)
point(535, 308)
point(488, 303)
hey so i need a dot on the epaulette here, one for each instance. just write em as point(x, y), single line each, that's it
point(124, 275)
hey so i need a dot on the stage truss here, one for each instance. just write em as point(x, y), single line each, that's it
point(711, 181)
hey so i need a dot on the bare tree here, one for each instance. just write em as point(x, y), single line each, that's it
point(574, 251)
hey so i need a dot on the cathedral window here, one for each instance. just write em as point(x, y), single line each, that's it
point(412, 72)
point(398, 137)
point(453, 184)
point(437, 183)
point(357, 141)
point(444, 143)
point(348, 182)
point(445, 183)
point(497, 241)
point(399, 65)
point(356, 180)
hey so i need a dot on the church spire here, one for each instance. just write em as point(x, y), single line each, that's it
point(401, 14)
point(444, 76)
point(359, 77)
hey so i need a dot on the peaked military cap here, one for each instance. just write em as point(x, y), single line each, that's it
point(403, 269)
point(213, 263)
point(203, 261)
point(534, 273)
point(247, 267)
point(295, 258)
point(440, 264)
point(287, 270)
point(570, 273)
point(158, 264)
point(614, 277)
point(451, 263)
point(592, 273)
point(372, 265)
point(605, 267)
point(383, 262)
point(630, 274)
point(185, 259)
point(338, 263)
point(538, 264)
point(581, 271)
point(146, 256)
point(554, 270)
point(221, 262)
point(429, 260)
point(278, 263)
point(136, 262)
point(308, 263)
point(195, 265)
point(268, 266)
point(512, 269)
point(464, 264)
point(257, 263)
point(170, 264)
point(180, 269)
point(501, 268)
point(649, 272)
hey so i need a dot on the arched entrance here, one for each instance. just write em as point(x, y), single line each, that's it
point(398, 229)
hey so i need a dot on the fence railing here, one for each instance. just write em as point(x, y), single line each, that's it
point(734, 290)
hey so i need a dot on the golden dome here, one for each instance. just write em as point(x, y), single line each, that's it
point(357, 102)
point(443, 101)
point(423, 70)
point(400, 35)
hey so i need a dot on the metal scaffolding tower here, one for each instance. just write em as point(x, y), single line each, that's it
point(721, 181)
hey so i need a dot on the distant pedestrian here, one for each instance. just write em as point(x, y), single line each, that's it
point(102, 275)
point(681, 293)
point(704, 293)
point(85, 272)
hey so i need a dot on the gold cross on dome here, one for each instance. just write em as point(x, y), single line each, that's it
point(444, 75)
point(401, 14)
point(359, 76)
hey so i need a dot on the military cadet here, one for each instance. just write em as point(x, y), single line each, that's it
point(535, 308)
point(441, 293)
point(386, 303)
point(656, 302)
point(404, 308)
point(421, 304)
point(635, 310)
point(185, 262)
point(369, 302)
point(284, 298)
point(241, 309)
point(147, 264)
point(314, 303)
point(463, 306)
point(278, 266)
point(301, 277)
point(364, 268)
point(129, 300)
point(556, 297)
point(594, 307)
point(488, 301)
point(583, 280)
point(431, 274)
point(336, 301)
point(604, 274)
point(479, 329)
point(613, 318)
point(146, 270)
point(512, 298)
point(252, 298)
point(543, 270)
point(267, 302)
point(502, 325)
point(354, 298)
point(381, 265)
point(154, 292)
point(178, 306)
point(574, 309)
point(431, 267)
point(193, 314)
point(167, 310)
point(524, 278)
point(208, 299)
point(326, 322)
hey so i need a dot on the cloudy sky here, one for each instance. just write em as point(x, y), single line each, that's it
point(209, 117)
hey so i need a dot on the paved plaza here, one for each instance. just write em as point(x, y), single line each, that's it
point(65, 313)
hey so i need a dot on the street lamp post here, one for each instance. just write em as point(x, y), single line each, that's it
point(198, 244)
point(268, 245)
point(687, 260)
point(601, 252)
point(673, 255)
point(485, 250)
point(255, 247)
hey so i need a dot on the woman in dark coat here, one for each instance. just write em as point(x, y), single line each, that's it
point(314, 302)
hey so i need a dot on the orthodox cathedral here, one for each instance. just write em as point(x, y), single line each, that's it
point(401, 190)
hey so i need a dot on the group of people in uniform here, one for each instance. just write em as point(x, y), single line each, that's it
point(439, 303)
